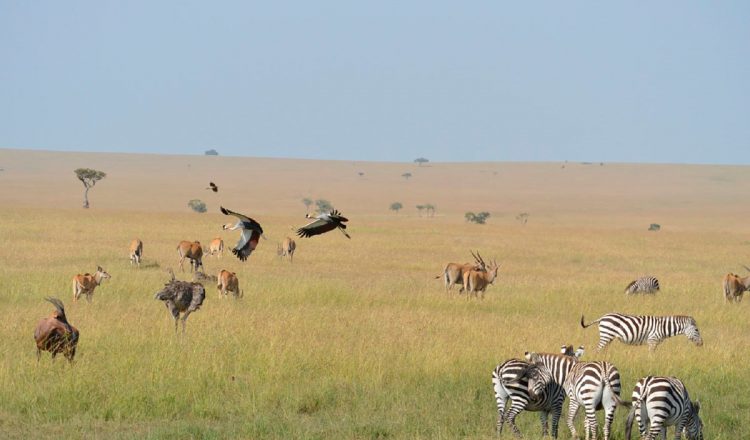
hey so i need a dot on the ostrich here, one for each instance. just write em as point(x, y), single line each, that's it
point(324, 222)
point(251, 233)
point(181, 297)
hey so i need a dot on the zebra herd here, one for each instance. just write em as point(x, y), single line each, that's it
point(541, 382)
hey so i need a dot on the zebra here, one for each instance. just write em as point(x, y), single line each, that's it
point(637, 330)
point(659, 402)
point(643, 285)
point(512, 380)
point(593, 385)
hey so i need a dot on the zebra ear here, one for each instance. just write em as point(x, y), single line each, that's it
point(697, 406)
point(535, 358)
point(527, 355)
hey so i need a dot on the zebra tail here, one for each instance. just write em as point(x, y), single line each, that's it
point(616, 396)
point(590, 323)
point(629, 423)
point(627, 289)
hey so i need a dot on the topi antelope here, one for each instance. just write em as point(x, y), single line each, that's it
point(476, 281)
point(193, 251)
point(136, 252)
point(735, 286)
point(250, 236)
point(454, 272)
point(324, 222)
point(86, 283)
point(287, 249)
point(55, 334)
point(216, 247)
point(228, 282)
point(181, 297)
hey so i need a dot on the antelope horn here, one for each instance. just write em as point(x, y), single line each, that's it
point(58, 305)
point(481, 260)
point(746, 268)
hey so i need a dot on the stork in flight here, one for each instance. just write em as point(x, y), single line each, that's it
point(212, 186)
point(324, 222)
point(251, 233)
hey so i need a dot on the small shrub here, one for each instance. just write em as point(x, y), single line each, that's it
point(479, 218)
point(197, 205)
point(654, 227)
point(212, 152)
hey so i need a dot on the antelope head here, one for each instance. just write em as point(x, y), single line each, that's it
point(101, 274)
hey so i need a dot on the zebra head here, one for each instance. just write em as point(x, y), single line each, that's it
point(539, 376)
point(692, 333)
point(693, 429)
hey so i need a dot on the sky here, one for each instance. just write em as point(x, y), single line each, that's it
point(665, 81)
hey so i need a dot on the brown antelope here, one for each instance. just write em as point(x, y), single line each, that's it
point(136, 252)
point(55, 334)
point(228, 282)
point(734, 286)
point(86, 283)
point(216, 247)
point(476, 281)
point(192, 251)
point(287, 249)
point(454, 272)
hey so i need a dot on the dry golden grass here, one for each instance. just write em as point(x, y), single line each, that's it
point(356, 339)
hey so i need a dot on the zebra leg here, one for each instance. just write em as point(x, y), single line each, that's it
point(604, 340)
point(500, 413)
point(653, 343)
point(572, 411)
point(657, 427)
point(609, 416)
point(543, 419)
point(511, 418)
point(591, 425)
point(556, 412)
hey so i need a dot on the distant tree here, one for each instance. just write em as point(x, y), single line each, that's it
point(420, 160)
point(396, 206)
point(430, 208)
point(361, 174)
point(89, 178)
point(654, 227)
point(212, 152)
point(197, 205)
point(420, 208)
point(406, 176)
point(323, 205)
point(308, 203)
point(523, 217)
point(479, 218)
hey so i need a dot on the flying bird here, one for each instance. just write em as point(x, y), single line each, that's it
point(212, 186)
point(251, 233)
point(323, 223)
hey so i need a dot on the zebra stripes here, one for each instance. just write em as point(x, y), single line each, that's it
point(639, 330)
point(511, 381)
point(643, 285)
point(659, 402)
point(593, 385)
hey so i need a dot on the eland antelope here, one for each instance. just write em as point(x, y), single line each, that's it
point(323, 223)
point(287, 248)
point(55, 334)
point(193, 251)
point(136, 252)
point(86, 283)
point(216, 247)
point(250, 235)
point(734, 286)
point(228, 282)
point(476, 281)
point(453, 273)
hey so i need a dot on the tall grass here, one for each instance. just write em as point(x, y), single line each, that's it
point(355, 339)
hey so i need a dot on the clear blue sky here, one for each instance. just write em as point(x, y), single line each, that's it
point(665, 81)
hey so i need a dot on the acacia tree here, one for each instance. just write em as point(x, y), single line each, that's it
point(89, 178)
point(395, 206)
point(420, 160)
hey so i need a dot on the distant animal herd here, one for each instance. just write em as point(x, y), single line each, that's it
point(540, 382)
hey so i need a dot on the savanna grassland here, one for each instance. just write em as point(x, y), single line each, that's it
point(356, 339)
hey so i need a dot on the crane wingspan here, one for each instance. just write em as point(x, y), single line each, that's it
point(249, 242)
point(315, 228)
point(247, 222)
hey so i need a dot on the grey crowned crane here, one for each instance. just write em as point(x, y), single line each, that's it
point(251, 233)
point(212, 186)
point(323, 223)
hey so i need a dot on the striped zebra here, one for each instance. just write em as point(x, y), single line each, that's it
point(659, 402)
point(643, 285)
point(639, 330)
point(512, 380)
point(593, 385)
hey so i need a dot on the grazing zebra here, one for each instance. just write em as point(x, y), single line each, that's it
point(593, 385)
point(643, 285)
point(637, 330)
point(558, 364)
point(512, 380)
point(659, 402)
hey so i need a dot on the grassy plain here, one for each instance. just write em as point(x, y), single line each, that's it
point(356, 339)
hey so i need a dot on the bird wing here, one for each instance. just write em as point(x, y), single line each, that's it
point(336, 215)
point(247, 244)
point(247, 222)
point(316, 227)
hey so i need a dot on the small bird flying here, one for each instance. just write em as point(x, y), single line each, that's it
point(251, 233)
point(323, 223)
point(212, 186)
